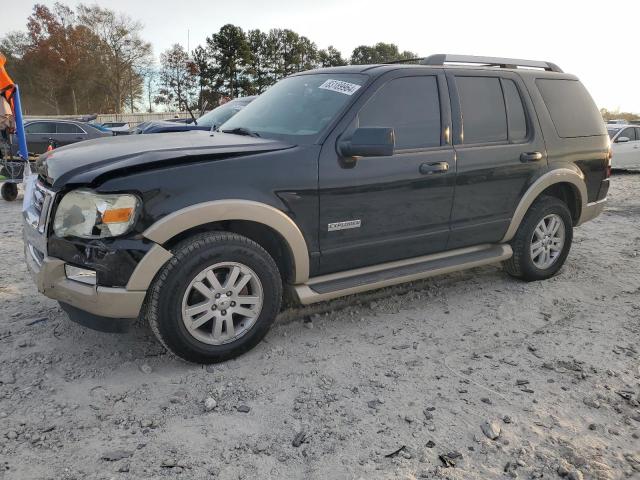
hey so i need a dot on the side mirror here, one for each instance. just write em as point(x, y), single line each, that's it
point(622, 140)
point(369, 142)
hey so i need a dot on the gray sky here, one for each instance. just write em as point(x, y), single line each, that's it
point(597, 43)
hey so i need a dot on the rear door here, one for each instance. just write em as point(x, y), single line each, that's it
point(38, 135)
point(67, 133)
point(500, 152)
point(379, 209)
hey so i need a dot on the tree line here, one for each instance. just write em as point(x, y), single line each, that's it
point(93, 59)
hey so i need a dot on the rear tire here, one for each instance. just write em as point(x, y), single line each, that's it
point(216, 298)
point(542, 242)
point(9, 191)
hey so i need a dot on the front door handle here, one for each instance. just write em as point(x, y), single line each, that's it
point(530, 157)
point(431, 168)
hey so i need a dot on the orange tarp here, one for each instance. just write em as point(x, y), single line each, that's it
point(6, 84)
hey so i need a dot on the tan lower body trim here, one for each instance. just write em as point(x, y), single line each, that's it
point(307, 295)
point(592, 210)
point(52, 281)
point(559, 175)
point(230, 209)
point(146, 270)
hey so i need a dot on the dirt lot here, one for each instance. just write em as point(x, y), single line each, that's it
point(392, 385)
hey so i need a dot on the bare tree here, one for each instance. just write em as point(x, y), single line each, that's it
point(124, 50)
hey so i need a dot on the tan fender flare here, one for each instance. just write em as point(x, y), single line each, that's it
point(220, 210)
point(560, 175)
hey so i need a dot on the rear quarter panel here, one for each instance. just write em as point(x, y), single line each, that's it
point(588, 156)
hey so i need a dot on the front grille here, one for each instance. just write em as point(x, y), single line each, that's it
point(38, 206)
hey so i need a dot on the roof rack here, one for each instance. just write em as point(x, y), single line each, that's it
point(441, 59)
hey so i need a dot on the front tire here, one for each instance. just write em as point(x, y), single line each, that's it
point(9, 191)
point(216, 298)
point(542, 242)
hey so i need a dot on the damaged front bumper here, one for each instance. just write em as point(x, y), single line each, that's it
point(74, 286)
point(51, 279)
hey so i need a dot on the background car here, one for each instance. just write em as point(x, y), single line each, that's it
point(625, 143)
point(212, 119)
point(62, 132)
point(119, 128)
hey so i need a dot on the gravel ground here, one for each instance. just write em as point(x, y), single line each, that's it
point(466, 376)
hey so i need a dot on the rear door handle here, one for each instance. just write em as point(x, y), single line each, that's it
point(530, 156)
point(431, 168)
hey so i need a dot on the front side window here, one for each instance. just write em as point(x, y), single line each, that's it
point(41, 128)
point(484, 117)
point(298, 108)
point(409, 105)
point(630, 133)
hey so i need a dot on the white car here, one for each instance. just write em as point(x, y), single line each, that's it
point(625, 142)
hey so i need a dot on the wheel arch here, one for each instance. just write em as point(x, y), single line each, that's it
point(268, 226)
point(564, 183)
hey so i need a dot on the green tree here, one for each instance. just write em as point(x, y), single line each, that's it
point(330, 58)
point(178, 79)
point(229, 51)
point(259, 68)
point(379, 53)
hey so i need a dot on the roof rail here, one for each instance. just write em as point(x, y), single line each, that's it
point(441, 59)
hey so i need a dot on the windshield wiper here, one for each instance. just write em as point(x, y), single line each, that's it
point(242, 131)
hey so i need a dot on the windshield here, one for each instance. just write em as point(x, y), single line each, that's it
point(298, 108)
point(612, 132)
point(221, 114)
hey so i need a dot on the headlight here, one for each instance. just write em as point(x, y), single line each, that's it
point(86, 214)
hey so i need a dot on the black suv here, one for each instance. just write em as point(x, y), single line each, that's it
point(332, 182)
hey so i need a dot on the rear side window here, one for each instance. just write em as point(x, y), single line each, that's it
point(484, 117)
point(411, 106)
point(515, 111)
point(571, 108)
point(68, 128)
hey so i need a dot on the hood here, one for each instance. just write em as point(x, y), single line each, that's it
point(85, 162)
point(166, 126)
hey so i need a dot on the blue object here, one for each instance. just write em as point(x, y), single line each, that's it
point(22, 139)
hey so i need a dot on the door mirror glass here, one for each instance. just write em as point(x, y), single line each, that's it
point(622, 140)
point(369, 142)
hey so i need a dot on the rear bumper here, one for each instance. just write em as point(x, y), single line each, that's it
point(51, 280)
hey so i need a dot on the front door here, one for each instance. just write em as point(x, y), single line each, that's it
point(500, 152)
point(627, 154)
point(380, 209)
point(38, 135)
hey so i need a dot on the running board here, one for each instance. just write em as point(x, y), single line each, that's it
point(328, 287)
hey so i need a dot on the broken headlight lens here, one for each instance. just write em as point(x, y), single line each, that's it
point(86, 214)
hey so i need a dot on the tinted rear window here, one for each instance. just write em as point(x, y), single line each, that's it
point(571, 108)
point(484, 117)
